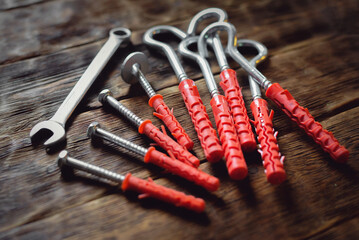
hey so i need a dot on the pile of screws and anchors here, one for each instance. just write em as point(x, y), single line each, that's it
point(234, 129)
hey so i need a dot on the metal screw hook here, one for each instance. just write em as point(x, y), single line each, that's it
point(261, 55)
point(231, 49)
point(275, 92)
point(202, 62)
point(148, 39)
point(215, 41)
point(218, 13)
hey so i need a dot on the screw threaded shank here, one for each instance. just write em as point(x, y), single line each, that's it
point(64, 159)
point(143, 81)
point(125, 112)
point(120, 141)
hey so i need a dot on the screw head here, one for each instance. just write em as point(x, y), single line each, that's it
point(103, 94)
point(62, 158)
point(127, 66)
point(91, 130)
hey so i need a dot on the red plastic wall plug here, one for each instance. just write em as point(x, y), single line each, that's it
point(233, 93)
point(206, 134)
point(151, 155)
point(305, 120)
point(269, 150)
point(129, 182)
point(133, 69)
point(276, 93)
point(236, 165)
point(229, 82)
point(146, 127)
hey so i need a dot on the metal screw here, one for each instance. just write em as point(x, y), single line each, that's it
point(105, 96)
point(143, 81)
point(148, 39)
point(184, 50)
point(65, 160)
point(219, 52)
point(231, 49)
point(261, 55)
point(94, 131)
point(133, 69)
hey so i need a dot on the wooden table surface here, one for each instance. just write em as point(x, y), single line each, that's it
point(46, 46)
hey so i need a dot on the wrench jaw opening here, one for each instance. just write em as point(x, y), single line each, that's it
point(44, 129)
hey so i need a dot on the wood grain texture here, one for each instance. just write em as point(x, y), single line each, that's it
point(47, 45)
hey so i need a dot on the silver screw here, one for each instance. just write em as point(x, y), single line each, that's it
point(143, 81)
point(184, 50)
point(94, 131)
point(105, 96)
point(65, 160)
point(149, 40)
point(133, 69)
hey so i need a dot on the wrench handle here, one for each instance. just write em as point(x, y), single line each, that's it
point(233, 93)
point(87, 78)
point(166, 115)
point(206, 134)
point(167, 143)
point(236, 165)
point(270, 151)
point(183, 170)
point(151, 189)
point(305, 120)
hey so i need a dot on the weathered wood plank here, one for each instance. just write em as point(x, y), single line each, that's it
point(70, 63)
point(343, 230)
point(312, 49)
point(20, 148)
point(72, 23)
point(44, 94)
point(63, 27)
point(171, 95)
point(10, 5)
point(300, 206)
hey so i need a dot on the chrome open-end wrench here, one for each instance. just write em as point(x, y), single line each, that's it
point(56, 124)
